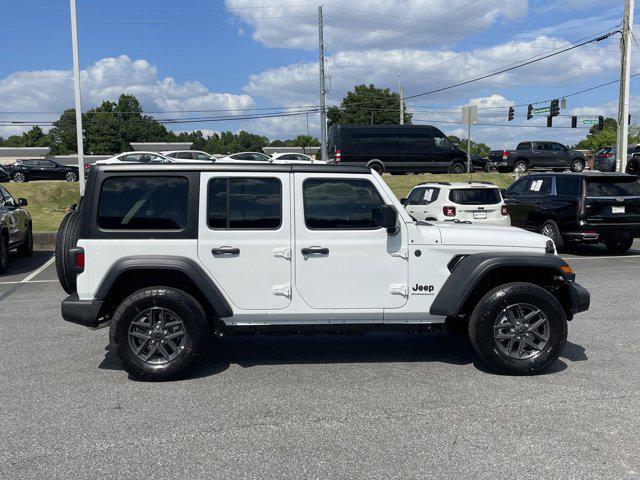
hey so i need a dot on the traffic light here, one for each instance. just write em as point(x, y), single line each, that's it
point(511, 113)
point(554, 111)
point(600, 123)
point(529, 112)
point(549, 121)
point(574, 122)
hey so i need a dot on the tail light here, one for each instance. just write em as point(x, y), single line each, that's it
point(505, 155)
point(607, 155)
point(504, 210)
point(449, 211)
point(338, 156)
point(76, 257)
point(87, 166)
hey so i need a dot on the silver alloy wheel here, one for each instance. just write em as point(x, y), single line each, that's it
point(71, 177)
point(578, 166)
point(157, 336)
point(19, 177)
point(520, 167)
point(549, 231)
point(521, 331)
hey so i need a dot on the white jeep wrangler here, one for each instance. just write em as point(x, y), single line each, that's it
point(174, 255)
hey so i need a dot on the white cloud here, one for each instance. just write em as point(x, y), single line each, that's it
point(52, 90)
point(371, 23)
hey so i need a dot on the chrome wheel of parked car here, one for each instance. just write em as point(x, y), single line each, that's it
point(71, 177)
point(19, 177)
point(157, 336)
point(549, 231)
point(521, 331)
point(520, 166)
point(577, 166)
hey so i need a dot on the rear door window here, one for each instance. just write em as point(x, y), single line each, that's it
point(137, 203)
point(475, 196)
point(613, 187)
point(245, 203)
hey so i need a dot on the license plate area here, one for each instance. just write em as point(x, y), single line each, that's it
point(479, 215)
point(618, 209)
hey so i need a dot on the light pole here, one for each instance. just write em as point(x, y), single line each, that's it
point(78, 101)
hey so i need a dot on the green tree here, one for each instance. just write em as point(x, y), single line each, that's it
point(368, 104)
point(62, 136)
point(299, 141)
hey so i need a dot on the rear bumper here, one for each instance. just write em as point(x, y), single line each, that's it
point(580, 298)
point(601, 232)
point(82, 312)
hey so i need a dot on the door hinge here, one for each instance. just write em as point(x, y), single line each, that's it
point(283, 290)
point(282, 252)
point(402, 253)
point(399, 289)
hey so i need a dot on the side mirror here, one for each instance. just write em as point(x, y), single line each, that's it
point(403, 201)
point(389, 218)
point(23, 202)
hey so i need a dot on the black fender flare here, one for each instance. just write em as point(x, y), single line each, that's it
point(170, 263)
point(469, 271)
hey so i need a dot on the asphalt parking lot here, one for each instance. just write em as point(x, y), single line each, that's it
point(367, 406)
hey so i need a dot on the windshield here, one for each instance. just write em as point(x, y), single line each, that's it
point(613, 187)
point(475, 196)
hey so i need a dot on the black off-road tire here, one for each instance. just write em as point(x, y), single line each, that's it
point(26, 247)
point(550, 229)
point(4, 253)
point(619, 246)
point(67, 238)
point(185, 307)
point(457, 168)
point(578, 165)
point(488, 309)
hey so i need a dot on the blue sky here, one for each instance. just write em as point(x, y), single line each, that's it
point(244, 54)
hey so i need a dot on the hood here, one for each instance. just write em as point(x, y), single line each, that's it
point(490, 236)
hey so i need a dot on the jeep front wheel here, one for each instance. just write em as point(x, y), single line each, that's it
point(518, 329)
point(158, 333)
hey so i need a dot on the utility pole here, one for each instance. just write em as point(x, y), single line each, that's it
point(323, 88)
point(623, 101)
point(401, 91)
point(76, 84)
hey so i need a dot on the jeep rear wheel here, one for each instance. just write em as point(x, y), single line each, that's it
point(67, 238)
point(518, 329)
point(158, 333)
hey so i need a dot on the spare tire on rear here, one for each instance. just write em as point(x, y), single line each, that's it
point(67, 238)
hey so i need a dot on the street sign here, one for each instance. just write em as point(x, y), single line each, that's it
point(542, 110)
point(470, 115)
point(588, 122)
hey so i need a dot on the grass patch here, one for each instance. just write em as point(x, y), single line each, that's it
point(402, 184)
point(49, 201)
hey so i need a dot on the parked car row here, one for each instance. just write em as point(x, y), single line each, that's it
point(569, 208)
point(24, 170)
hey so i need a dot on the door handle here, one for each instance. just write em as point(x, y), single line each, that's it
point(226, 251)
point(315, 251)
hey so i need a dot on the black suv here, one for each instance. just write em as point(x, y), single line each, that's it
point(15, 228)
point(35, 169)
point(592, 207)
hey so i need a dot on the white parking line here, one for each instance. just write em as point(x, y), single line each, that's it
point(31, 281)
point(602, 257)
point(39, 271)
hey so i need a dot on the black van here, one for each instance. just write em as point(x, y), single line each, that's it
point(395, 148)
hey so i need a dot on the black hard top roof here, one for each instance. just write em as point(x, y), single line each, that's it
point(229, 167)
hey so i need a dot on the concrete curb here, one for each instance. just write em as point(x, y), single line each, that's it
point(44, 241)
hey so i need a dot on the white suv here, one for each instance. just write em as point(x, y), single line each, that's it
point(476, 202)
point(172, 257)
